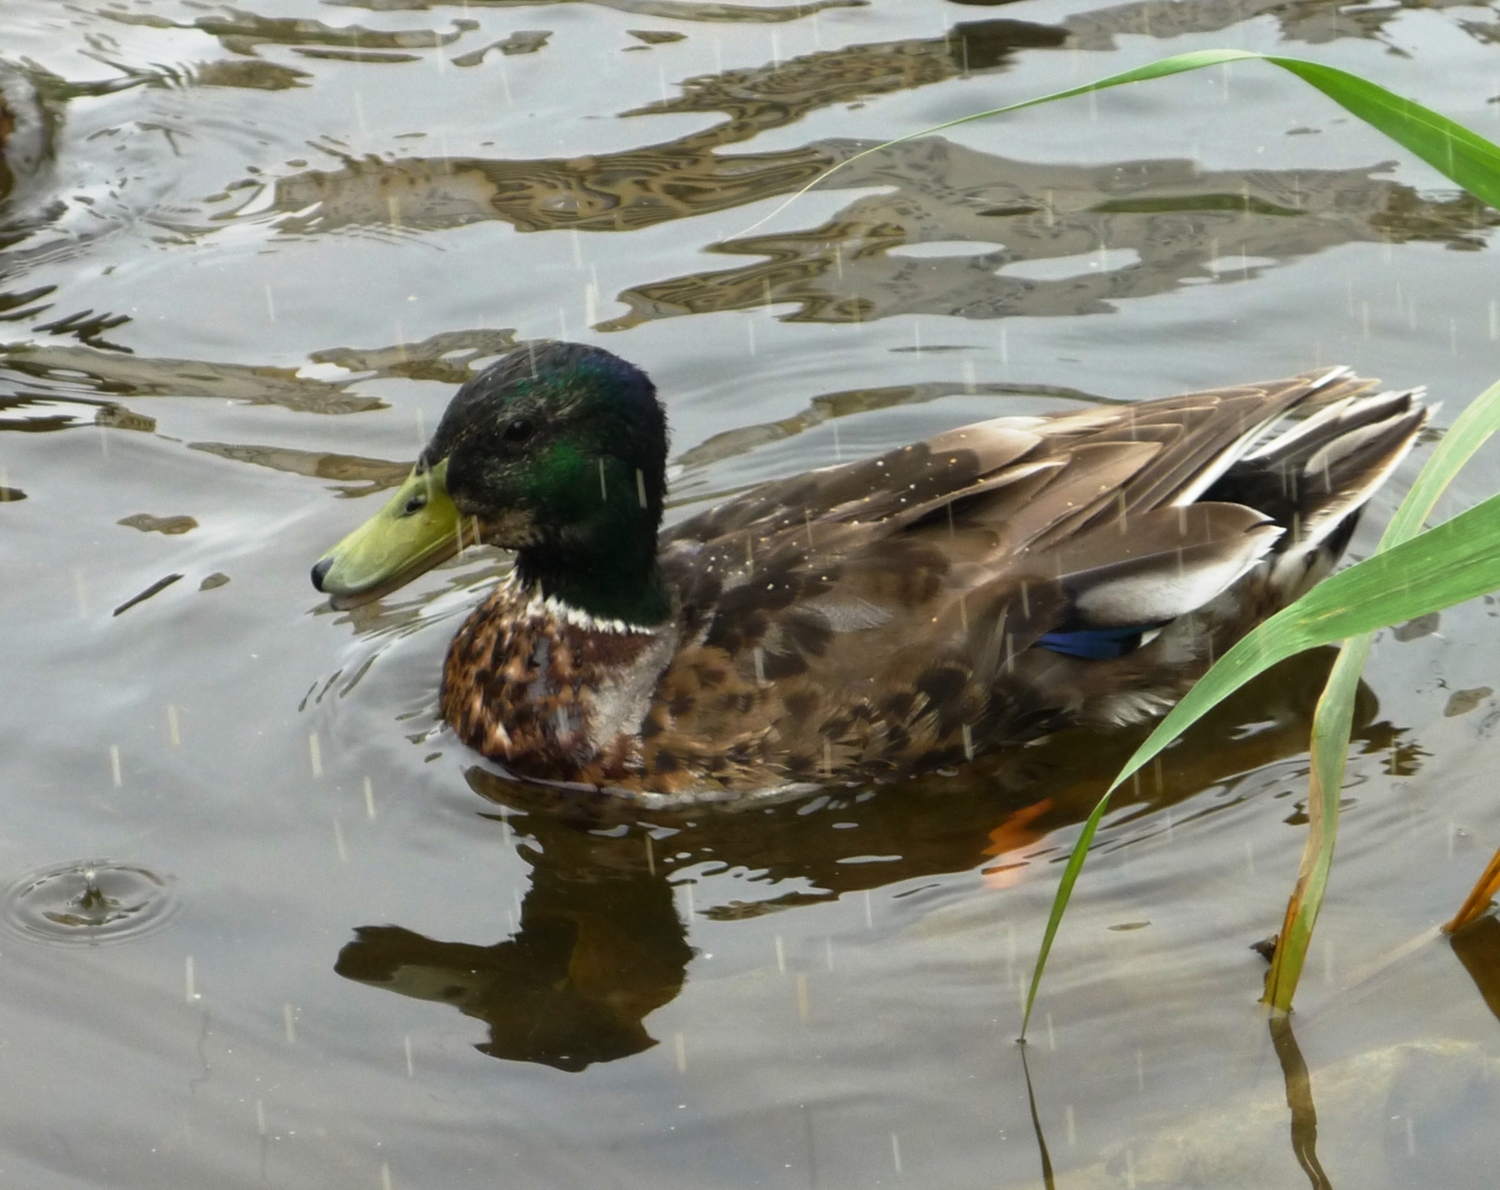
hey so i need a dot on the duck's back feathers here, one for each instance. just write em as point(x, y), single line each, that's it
point(978, 588)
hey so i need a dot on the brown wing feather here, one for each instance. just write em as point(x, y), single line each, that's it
point(862, 617)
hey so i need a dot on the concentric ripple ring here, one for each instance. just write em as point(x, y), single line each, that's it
point(88, 901)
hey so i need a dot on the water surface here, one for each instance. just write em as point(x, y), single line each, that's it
point(268, 924)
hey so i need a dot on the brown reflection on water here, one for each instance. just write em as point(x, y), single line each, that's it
point(52, 396)
point(598, 948)
point(51, 384)
point(51, 373)
point(356, 474)
point(600, 942)
point(680, 10)
point(1076, 238)
point(760, 98)
point(1048, 1180)
point(241, 32)
point(1197, 222)
point(248, 74)
point(613, 192)
point(34, 413)
point(1299, 1101)
point(1311, 21)
point(642, 187)
point(1314, 22)
point(1477, 946)
point(1049, 239)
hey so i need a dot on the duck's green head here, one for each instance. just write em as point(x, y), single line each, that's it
point(558, 451)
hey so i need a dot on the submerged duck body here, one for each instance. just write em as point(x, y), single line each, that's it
point(868, 620)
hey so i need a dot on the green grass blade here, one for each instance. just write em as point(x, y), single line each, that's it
point(1060, 902)
point(1332, 722)
point(1455, 151)
point(1456, 561)
point(1335, 711)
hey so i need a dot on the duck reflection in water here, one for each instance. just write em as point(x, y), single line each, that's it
point(601, 944)
point(599, 947)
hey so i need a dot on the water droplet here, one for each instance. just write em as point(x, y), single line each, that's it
point(88, 901)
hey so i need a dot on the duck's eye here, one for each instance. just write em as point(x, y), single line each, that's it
point(415, 504)
point(517, 431)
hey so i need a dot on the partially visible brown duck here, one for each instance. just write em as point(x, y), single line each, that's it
point(867, 620)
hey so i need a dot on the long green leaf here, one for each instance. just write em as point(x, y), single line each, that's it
point(1335, 712)
point(1458, 152)
point(1332, 725)
point(1456, 561)
point(1060, 900)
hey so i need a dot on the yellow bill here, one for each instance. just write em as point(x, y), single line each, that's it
point(418, 528)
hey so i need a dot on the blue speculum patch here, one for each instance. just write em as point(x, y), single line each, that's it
point(1093, 644)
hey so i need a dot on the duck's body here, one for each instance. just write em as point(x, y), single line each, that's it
point(903, 613)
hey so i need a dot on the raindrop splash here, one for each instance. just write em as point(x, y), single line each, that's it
point(88, 901)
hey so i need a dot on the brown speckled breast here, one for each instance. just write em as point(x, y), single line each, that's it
point(548, 698)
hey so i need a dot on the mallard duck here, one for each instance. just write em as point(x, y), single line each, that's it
point(867, 620)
